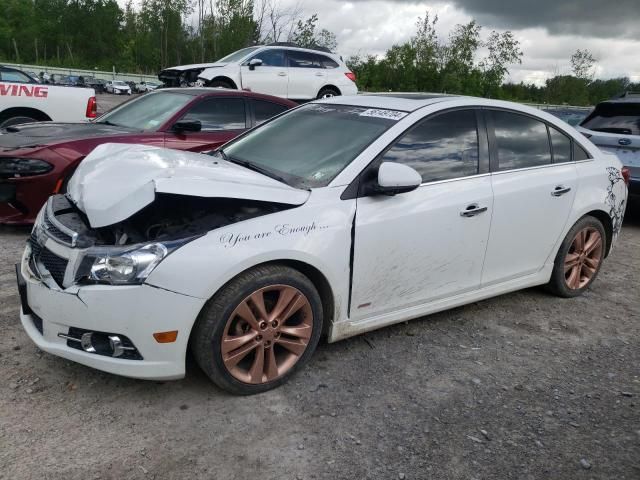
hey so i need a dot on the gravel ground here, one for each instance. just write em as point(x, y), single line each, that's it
point(523, 386)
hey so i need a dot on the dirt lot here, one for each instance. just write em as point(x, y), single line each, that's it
point(524, 386)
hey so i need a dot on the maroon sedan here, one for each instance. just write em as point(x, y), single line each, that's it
point(37, 159)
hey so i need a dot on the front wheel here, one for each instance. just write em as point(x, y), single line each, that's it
point(219, 84)
point(579, 258)
point(258, 330)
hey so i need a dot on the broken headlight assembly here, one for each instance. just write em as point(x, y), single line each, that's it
point(124, 265)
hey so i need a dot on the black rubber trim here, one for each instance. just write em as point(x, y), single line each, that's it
point(22, 290)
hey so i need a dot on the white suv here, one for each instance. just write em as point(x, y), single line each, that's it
point(277, 69)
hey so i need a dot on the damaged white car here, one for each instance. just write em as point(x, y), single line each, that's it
point(336, 218)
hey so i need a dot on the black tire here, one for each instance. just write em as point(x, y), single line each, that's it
point(219, 84)
point(17, 120)
point(558, 284)
point(208, 331)
point(328, 92)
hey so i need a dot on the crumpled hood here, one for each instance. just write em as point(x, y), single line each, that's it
point(116, 180)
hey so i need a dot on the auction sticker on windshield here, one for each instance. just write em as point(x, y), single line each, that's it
point(382, 113)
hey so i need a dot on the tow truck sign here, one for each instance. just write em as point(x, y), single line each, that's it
point(14, 90)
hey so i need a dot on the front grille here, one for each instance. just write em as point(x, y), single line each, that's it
point(54, 264)
point(55, 232)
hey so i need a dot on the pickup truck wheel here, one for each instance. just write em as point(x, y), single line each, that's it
point(7, 122)
point(579, 258)
point(258, 330)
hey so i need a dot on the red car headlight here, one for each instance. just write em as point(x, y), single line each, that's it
point(23, 167)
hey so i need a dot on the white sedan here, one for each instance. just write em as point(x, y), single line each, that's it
point(117, 87)
point(336, 218)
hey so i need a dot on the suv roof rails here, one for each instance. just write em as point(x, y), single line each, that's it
point(295, 45)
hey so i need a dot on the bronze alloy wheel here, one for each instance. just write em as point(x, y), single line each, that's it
point(266, 334)
point(583, 258)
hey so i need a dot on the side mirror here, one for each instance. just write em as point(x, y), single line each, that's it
point(187, 126)
point(396, 178)
point(254, 62)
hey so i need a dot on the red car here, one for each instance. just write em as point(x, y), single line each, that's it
point(37, 159)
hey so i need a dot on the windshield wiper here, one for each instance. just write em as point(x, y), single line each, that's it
point(252, 166)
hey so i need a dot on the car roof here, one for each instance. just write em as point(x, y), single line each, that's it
point(406, 102)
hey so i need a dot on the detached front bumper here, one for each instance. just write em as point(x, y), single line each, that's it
point(135, 312)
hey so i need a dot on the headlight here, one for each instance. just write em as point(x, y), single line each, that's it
point(22, 167)
point(127, 267)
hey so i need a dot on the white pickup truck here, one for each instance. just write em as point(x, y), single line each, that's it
point(23, 100)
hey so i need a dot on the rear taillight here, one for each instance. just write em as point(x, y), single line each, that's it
point(351, 76)
point(92, 108)
point(626, 175)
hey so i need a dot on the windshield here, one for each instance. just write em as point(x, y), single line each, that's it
point(147, 112)
point(623, 118)
point(239, 55)
point(309, 146)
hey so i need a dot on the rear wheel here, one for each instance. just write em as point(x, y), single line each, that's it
point(579, 258)
point(258, 330)
point(328, 92)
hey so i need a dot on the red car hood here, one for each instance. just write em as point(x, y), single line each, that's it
point(41, 134)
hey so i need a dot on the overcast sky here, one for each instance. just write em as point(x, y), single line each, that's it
point(549, 30)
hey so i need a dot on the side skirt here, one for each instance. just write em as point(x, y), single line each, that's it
point(347, 328)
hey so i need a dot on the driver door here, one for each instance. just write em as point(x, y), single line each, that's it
point(428, 244)
point(271, 78)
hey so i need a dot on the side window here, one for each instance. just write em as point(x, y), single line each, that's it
point(521, 141)
point(561, 145)
point(327, 62)
point(13, 76)
point(271, 58)
point(441, 147)
point(263, 110)
point(218, 114)
point(299, 59)
point(579, 153)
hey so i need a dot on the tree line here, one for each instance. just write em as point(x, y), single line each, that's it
point(146, 36)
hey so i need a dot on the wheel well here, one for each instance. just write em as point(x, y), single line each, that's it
point(605, 219)
point(223, 79)
point(331, 87)
point(30, 112)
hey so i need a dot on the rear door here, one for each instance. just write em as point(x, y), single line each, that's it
point(307, 74)
point(271, 77)
point(533, 196)
point(222, 119)
point(263, 110)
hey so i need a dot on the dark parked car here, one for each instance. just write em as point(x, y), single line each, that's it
point(37, 159)
point(96, 83)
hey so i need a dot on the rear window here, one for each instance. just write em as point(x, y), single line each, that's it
point(621, 118)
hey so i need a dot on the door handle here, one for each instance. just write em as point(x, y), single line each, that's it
point(472, 210)
point(282, 74)
point(560, 190)
point(319, 74)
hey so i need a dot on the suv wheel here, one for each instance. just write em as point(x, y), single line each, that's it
point(328, 92)
point(219, 84)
